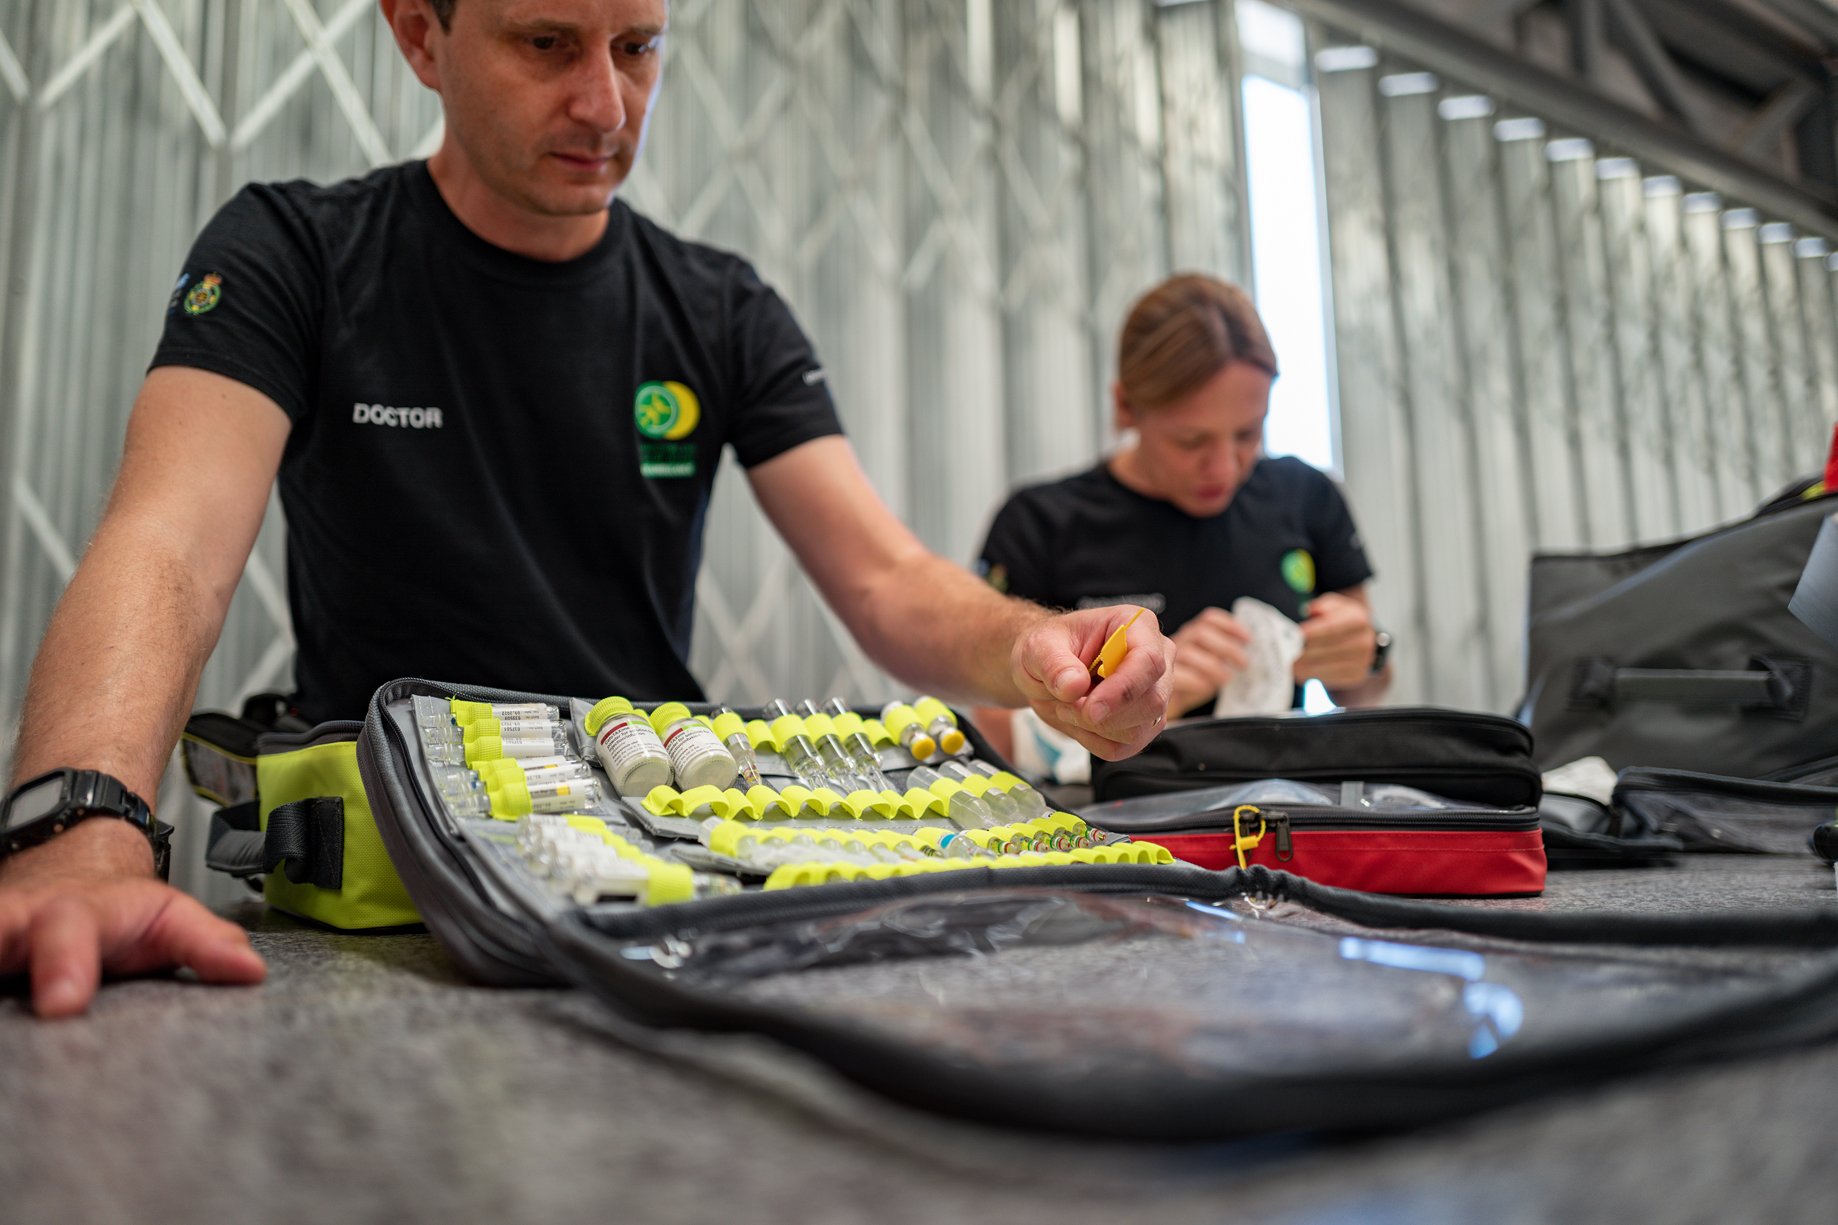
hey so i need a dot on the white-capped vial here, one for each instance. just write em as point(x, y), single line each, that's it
point(628, 748)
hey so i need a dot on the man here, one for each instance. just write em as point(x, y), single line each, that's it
point(1189, 515)
point(494, 404)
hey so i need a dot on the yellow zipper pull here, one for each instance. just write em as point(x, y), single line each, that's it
point(1241, 842)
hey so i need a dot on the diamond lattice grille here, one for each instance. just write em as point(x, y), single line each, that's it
point(957, 197)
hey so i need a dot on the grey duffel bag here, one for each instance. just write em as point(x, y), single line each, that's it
point(1684, 655)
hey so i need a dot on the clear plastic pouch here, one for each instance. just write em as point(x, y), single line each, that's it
point(1154, 1014)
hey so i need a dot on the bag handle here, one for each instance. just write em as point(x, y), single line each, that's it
point(1780, 687)
point(307, 837)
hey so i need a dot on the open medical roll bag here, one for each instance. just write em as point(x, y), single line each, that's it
point(1122, 999)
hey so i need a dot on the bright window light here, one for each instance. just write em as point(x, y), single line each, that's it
point(1286, 251)
point(1315, 699)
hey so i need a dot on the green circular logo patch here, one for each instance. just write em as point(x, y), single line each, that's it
point(656, 410)
point(1299, 571)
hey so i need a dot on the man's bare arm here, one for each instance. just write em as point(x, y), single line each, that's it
point(114, 682)
point(932, 624)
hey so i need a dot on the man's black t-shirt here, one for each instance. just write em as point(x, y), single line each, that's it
point(499, 468)
point(1090, 541)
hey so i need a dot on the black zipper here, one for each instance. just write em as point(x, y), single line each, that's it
point(1394, 714)
point(1654, 779)
point(332, 731)
point(1297, 817)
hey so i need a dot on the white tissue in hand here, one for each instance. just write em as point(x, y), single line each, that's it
point(1267, 685)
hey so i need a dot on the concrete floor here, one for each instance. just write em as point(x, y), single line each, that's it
point(366, 1081)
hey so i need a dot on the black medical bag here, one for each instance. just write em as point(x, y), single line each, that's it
point(1684, 656)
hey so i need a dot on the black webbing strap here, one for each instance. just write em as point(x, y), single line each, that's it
point(308, 837)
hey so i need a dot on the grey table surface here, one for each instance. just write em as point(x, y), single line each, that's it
point(368, 1081)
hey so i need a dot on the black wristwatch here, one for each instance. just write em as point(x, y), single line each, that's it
point(42, 808)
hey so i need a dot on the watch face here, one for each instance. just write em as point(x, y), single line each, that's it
point(29, 806)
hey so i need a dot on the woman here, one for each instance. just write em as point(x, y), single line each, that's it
point(1189, 515)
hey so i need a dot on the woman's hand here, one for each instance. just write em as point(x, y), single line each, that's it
point(1208, 652)
point(1338, 642)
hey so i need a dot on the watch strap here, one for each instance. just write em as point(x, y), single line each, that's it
point(94, 793)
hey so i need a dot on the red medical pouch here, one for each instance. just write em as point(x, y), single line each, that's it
point(1417, 801)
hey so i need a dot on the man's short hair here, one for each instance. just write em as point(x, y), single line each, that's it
point(1183, 332)
point(443, 9)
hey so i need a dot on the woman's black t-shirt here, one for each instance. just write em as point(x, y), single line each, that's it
point(1090, 541)
point(499, 467)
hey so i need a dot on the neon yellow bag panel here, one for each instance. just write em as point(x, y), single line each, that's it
point(372, 894)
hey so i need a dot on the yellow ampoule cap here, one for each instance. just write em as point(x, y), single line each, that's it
point(465, 712)
point(818, 725)
point(897, 716)
point(785, 727)
point(669, 882)
point(512, 799)
point(877, 732)
point(484, 725)
point(727, 723)
point(929, 709)
point(759, 734)
point(847, 723)
point(725, 838)
point(595, 826)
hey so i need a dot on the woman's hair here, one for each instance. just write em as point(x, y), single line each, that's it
point(1182, 333)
